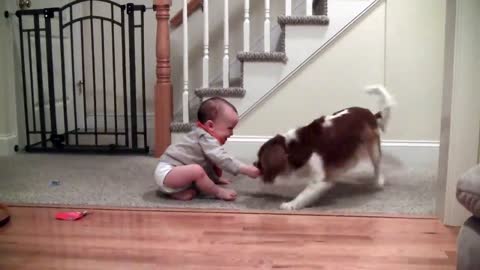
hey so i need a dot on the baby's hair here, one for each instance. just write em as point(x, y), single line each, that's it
point(210, 108)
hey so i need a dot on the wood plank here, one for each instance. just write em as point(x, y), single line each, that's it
point(228, 211)
point(129, 239)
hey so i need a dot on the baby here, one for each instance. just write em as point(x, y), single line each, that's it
point(198, 160)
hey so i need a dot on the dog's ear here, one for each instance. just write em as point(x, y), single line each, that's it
point(273, 158)
point(299, 154)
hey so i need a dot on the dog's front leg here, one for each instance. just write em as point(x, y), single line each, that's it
point(315, 188)
point(313, 191)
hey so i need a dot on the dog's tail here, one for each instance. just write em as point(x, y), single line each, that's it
point(386, 103)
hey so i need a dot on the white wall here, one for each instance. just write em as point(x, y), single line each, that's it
point(415, 34)
point(7, 85)
point(400, 43)
point(321, 87)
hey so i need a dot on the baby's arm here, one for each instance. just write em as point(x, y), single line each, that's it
point(219, 156)
point(250, 170)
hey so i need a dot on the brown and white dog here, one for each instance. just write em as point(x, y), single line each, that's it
point(327, 149)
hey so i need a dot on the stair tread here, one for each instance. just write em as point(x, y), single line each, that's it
point(262, 57)
point(220, 91)
point(303, 20)
point(178, 127)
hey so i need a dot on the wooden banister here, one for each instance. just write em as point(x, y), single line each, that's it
point(163, 86)
point(192, 6)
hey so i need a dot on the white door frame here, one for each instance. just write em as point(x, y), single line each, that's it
point(459, 137)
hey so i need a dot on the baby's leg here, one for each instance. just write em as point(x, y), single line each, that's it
point(182, 176)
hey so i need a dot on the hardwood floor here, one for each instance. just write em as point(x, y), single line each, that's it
point(141, 239)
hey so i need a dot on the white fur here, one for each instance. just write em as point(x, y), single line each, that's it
point(329, 118)
point(386, 103)
point(314, 171)
point(316, 187)
point(380, 181)
point(291, 135)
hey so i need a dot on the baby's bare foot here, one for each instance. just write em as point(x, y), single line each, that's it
point(226, 194)
point(185, 195)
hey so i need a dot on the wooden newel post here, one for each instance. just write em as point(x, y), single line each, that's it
point(163, 86)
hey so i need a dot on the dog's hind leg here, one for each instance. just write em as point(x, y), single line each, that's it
point(315, 188)
point(375, 154)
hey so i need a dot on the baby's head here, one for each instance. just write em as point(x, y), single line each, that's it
point(219, 116)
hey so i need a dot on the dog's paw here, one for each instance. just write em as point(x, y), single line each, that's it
point(288, 206)
point(380, 183)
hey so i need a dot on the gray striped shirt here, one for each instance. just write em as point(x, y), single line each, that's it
point(199, 147)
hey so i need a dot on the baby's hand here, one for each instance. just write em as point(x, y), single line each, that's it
point(251, 171)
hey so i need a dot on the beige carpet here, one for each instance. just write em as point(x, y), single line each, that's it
point(128, 181)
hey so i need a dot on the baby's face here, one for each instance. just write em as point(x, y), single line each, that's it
point(225, 123)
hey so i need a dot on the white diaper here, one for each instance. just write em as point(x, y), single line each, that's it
point(160, 173)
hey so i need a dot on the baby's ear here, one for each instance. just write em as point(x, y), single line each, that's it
point(209, 124)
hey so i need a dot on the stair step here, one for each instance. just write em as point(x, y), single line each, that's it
point(236, 82)
point(262, 57)
point(298, 20)
point(303, 20)
point(235, 92)
point(180, 127)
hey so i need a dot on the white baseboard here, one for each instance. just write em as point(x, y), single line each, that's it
point(413, 154)
point(7, 144)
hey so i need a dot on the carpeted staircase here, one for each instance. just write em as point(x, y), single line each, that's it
point(236, 90)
